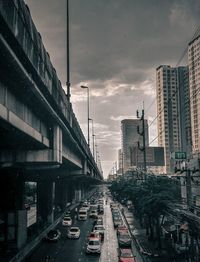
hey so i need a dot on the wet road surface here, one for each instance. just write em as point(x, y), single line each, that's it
point(74, 250)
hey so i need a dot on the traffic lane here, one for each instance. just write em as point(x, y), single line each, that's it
point(71, 249)
point(110, 245)
point(75, 249)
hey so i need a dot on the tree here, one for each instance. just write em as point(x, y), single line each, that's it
point(151, 199)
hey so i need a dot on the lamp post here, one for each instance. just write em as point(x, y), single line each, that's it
point(93, 135)
point(67, 51)
point(88, 112)
point(96, 153)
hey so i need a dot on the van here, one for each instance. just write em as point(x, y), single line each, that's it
point(82, 214)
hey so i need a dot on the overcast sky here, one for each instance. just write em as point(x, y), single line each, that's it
point(115, 47)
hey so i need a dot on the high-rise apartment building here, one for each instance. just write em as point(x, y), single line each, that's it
point(120, 161)
point(173, 111)
point(194, 82)
point(130, 138)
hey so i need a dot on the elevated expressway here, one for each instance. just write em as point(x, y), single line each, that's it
point(40, 138)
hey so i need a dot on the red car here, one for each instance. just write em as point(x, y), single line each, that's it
point(93, 235)
point(122, 228)
point(126, 255)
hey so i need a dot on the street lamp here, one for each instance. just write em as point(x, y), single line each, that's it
point(93, 135)
point(88, 111)
point(67, 51)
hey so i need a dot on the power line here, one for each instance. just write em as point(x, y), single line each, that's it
point(156, 137)
point(191, 97)
point(151, 105)
point(163, 108)
point(196, 33)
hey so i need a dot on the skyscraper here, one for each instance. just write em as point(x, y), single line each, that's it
point(130, 137)
point(194, 82)
point(120, 161)
point(173, 112)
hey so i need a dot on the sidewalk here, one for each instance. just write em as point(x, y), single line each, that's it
point(138, 233)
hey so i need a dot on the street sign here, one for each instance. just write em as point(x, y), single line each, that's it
point(179, 155)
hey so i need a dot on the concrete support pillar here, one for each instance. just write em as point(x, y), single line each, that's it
point(61, 194)
point(12, 210)
point(83, 195)
point(71, 191)
point(45, 202)
point(57, 144)
point(85, 166)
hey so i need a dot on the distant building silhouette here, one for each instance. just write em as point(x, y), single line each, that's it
point(130, 138)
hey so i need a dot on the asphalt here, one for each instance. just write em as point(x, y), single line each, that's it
point(74, 250)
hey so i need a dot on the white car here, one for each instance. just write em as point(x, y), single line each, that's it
point(99, 229)
point(74, 233)
point(86, 206)
point(67, 221)
point(94, 246)
point(82, 214)
point(93, 214)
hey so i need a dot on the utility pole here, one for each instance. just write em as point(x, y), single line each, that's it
point(188, 180)
point(188, 186)
point(93, 135)
point(67, 51)
point(142, 133)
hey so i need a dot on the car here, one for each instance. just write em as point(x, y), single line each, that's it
point(117, 222)
point(100, 201)
point(111, 204)
point(86, 206)
point(74, 232)
point(82, 214)
point(100, 210)
point(81, 202)
point(114, 205)
point(67, 221)
point(93, 246)
point(126, 255)
point(53, 235)
point(117, 218)
point(100, 229)
point(67, 213)
point(121, 229)
point(99, 222)
point(116, 214)
point(98, 218)
point(93, 214)
point(93, 206)
point(93, 235)
point(124, 239)
point(115, 210)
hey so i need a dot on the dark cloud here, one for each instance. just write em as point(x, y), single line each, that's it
point(115, 46)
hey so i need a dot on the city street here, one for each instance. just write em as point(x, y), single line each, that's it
point(100, 131)
point(74, 250)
